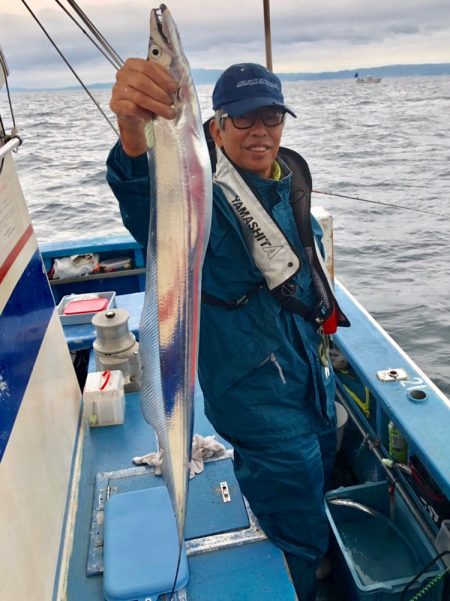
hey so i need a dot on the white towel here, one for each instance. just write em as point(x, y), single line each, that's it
point(203, 447)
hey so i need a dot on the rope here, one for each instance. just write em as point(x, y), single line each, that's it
point(88, 92)
point(423, 591)
point(14, 130)
point(377, 202)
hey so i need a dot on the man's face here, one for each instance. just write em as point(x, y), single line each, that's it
point(253, 149)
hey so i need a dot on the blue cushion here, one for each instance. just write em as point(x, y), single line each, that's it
point(141, 546)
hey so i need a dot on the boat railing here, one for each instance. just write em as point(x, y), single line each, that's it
point(12, 144)
point(108, 248)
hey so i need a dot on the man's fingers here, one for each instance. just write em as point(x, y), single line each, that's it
point(149, 78)
point(143, 88)
point(149, 70)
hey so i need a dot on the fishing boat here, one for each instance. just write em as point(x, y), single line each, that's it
point(71, 425)
point(367, 78)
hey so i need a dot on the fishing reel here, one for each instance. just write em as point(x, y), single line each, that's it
point(116, 347)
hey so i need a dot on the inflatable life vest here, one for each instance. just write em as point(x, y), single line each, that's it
point(271, 251)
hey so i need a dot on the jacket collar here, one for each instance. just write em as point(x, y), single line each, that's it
point(270, 191)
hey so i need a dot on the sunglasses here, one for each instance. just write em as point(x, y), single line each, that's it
point(269, 117)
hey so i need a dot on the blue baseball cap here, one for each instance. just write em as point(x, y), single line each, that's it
point(247, 87)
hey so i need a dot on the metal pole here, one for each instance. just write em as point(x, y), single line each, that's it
point(267, 34)
point(10, 145)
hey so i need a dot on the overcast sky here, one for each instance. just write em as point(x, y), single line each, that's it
point(307, 35)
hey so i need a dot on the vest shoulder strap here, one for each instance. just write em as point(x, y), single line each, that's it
point(326, 309)
point(300, 199)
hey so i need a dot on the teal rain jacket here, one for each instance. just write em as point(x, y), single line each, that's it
point(259, 366)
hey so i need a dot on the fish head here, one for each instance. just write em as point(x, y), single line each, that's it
point(165, 45)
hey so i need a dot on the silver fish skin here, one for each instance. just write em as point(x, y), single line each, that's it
point(355, 505)
point(180, 217)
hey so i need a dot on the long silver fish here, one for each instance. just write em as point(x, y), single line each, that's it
point(180, 216)
point(355, 505)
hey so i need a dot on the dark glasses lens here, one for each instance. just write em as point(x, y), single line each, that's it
point(269, 117)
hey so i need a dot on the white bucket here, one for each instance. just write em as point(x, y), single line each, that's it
point(341, 420)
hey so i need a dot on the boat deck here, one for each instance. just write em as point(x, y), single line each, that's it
point(257, 568)
point(224, 570)
point(107, 467)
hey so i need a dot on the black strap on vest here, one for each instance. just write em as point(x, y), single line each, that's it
point(300, 199)
point(234, 304)
point(285, 295)
point(289, 302)
point(301, 185)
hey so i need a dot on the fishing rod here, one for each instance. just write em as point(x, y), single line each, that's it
point(88, 92)
point(3, 137)
point(97, 34)
point(267, 34)
point(377, 202)
point(111, 58)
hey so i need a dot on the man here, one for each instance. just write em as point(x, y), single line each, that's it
point(263, 362)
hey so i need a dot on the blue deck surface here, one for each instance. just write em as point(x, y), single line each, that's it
point(255, 571)
point(251, 571)
point(141, 546)
point(247, 573)
point(426, 425)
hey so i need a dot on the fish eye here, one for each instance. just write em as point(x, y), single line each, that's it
point(155, 51)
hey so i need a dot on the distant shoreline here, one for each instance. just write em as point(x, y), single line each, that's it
point(210, 76)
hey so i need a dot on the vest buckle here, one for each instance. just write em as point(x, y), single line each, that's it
point(320, 312)
point(240, 302)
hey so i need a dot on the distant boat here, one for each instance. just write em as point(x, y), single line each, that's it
point(367, 79)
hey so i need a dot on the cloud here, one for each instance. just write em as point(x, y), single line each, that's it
point(306, 36)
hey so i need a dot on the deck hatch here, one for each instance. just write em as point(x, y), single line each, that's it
point(211, 523)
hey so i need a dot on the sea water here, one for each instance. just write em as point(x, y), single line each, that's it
point(386, 142)
point(377, 551)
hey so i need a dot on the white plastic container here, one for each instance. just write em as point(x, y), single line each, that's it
point(76, 319)
point(104, 398)
point(116, 264)
point(341, 420)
